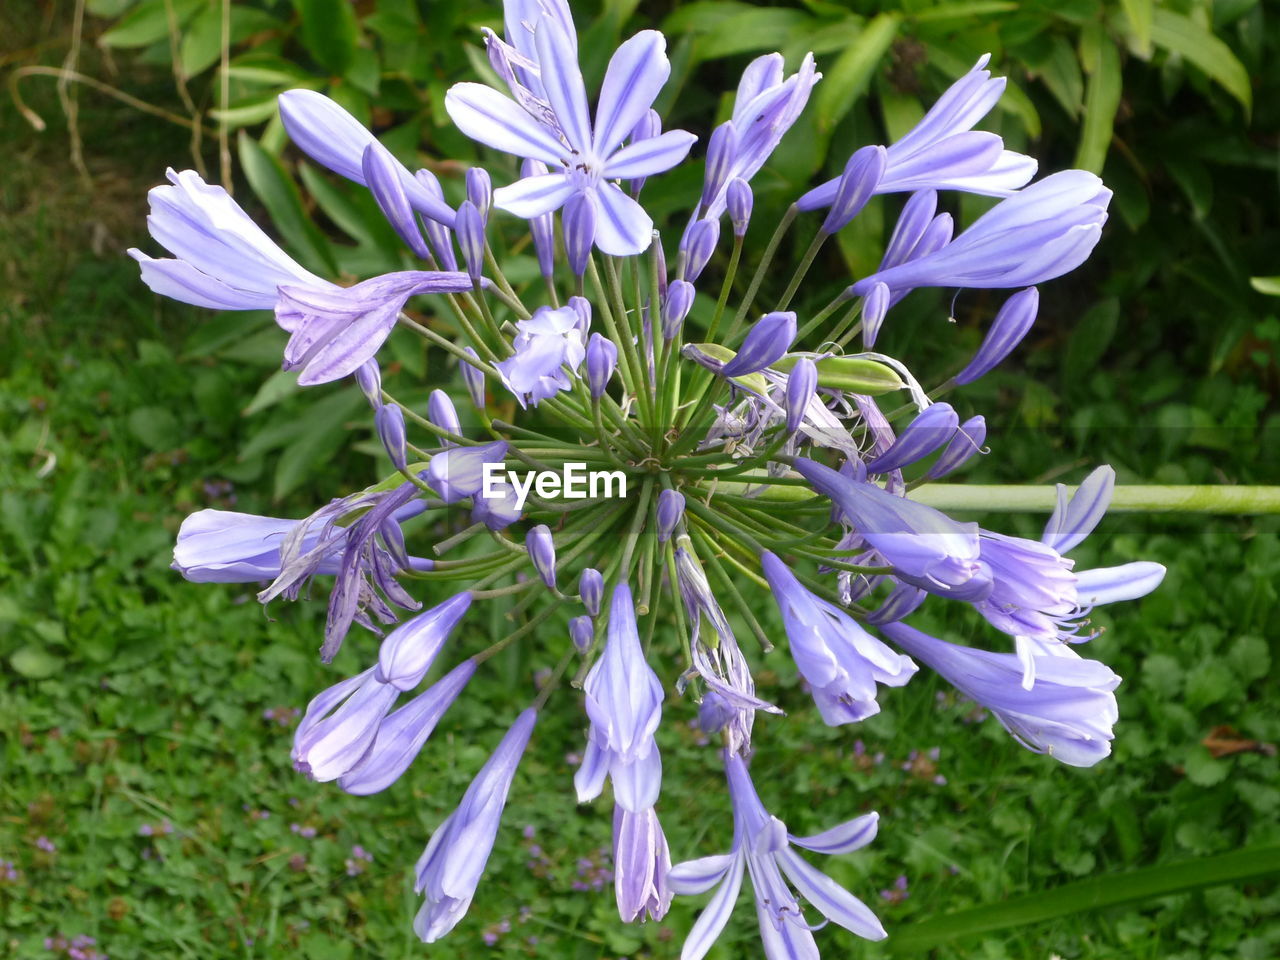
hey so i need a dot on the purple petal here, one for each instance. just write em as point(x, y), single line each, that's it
point(637, 72)
point(715, 915)
point(562, 80)
point(623, 229)
point(648, 157)
point(1073, 521)
point(534, 196)
point(1112, 584)
point(847, 837)
point(485, 115)
point(833, 901)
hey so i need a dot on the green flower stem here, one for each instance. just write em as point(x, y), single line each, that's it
point(449, 346)
point(761, 269)
point(604, 436)
point(673, 578)
point(692, 432)
point(726, 287)
point(803, 269)
point(629, 366)
point(554, 680)
point(645, 594)
point(462, 536)
point(843, 332)
point(644, 386)
point(1009, 498)
point(534, 622)
point(639, 516)
point(490, 324)
point(820, 316)
point(723, 524)
point(430, 427)
point(500, 280)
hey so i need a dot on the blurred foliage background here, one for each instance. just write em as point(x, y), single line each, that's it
point(147, 799)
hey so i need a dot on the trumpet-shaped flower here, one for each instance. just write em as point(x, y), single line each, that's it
point(762, 848)
point(223, 259)
point(1068, 714)
point(841, 662)
point(641, 861)
point(545, 344)
point(624, 702)
point(450, 867)
point(583, 159)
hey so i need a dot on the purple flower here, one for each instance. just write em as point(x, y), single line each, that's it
point(1039, 233)
point(862, 174)
point(698, 246)
point(340, 725)
point(336, 329)
point(401, 735)
point(966, 441)
point(458, 472)
point(450, 867)
point(473, 377)
point(802, 385)
point(602, 360)
point(591, 590)
point(765, 107)
point(219, 546)
point(224, 260)
point(329, 135)
point(739, 200)
point(1011, 324)
point(762, 847)
point(670, 512)
point(545, 344)
point(624, 702)
point(469, 229)
point(841, 662)
point(388, 421)
point(542, 552)
point(1069, 712)
point(766, 343)
point(480, 190)
point(944, 152)
point(919, 542)
point(641, 862)
point(583, 159)
point(675, 307)
point(386, 178)
point(932, 428)
point(582, 633)
point(442, 413)
point(409, 650)
point(368, 553)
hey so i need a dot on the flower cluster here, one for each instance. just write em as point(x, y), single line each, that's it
point(756, 454)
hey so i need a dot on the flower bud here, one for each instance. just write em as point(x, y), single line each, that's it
point(1011, 324)
point(931, 428)
point(579, 221)
point(765, 343)
point(369, 379)
point(713, 713)
point(469, 226)
point(802, 384)
point(602, 359)
point(874, 307)
point(409, 650)
point(858, 182)
point(473, 377)
point(542, 551)
point(966, 441)
point(702, 239)
point(480, 190)
point(739, 200)
point(382, 173)
point(670, 511)
point(388, 419)
point(582, 306)
point(441, 412)
point(591, 590)
point(582, 632)
point(721, 148)
point(441, 237)
point(542, 227)
point(675, 307)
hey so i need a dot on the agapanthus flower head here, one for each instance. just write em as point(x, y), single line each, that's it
point(703, 468)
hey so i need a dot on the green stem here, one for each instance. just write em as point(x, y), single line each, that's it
point(1010, 498)
point(803, 269)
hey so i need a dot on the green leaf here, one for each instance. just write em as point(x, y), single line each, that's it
point(35, 663)
point(1097, 893)
point(1139, 14)
point(246, 113)
point(848, 76)
point(1093, 334)
point(1178, 34)
point(1203, 769)
point(963, 10)
point(201, 44)
point(330, 32)
point(108, 9)
point(148, 23)
point(1058, 68)
point(763, 28)
point(279, 386)
point(279, 194)
point(1268, 285)
point(156, 427)
point(1102, 99)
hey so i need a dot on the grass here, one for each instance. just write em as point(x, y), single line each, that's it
point(146, 798)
